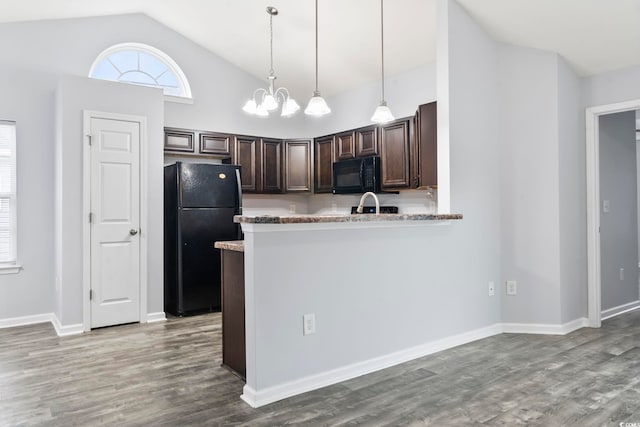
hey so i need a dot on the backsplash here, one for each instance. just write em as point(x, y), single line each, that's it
point(410, 201)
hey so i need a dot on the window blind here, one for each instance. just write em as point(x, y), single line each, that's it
point(8, 227)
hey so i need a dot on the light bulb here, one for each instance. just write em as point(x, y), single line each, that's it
point(250, 107)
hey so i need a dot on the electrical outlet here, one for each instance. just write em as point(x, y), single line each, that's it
point(292, 208)
point(512, 287)
point(309, 324)
point(622, 274)
point(606, 206)
point(492, 289)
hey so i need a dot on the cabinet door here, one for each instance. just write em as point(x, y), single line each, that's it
point(246, 157)
point(323, 164)
point(297, 173)
point(179, 140)
point(271, 166)
point(394, 161)
point(427, 145)
point(345, 146)
point(367, 139)
point(218, 144)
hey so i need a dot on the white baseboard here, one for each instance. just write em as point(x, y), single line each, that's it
point(621, 309)
point(323, 379)
point(156, 317)
point(66, 330)
point(26, 320)
point(544, 329)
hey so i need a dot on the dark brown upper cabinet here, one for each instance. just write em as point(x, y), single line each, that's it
point(179, 140)
point(246, 155)
point(367, 141)
point(394, 158)
point(345, 146)
point(297, 175)
point(270, 166)
point(323, 164)
point(424, 152)
point(219, 144)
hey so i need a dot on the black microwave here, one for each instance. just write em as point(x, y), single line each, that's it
point(356, 176)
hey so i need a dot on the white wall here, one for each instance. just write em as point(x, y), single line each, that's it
point(619, 226)
point(467, 87)
point(612, 87)
point(27, 98)
point(530, 169)
point(76, 94)
point(572, 195)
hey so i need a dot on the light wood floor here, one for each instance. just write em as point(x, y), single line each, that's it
point(168, 374)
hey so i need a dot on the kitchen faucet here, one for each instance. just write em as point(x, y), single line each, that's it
point(364, 196)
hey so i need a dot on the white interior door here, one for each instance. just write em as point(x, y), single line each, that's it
point(115, 222)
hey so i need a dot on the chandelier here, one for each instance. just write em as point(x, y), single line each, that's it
point(267, 100)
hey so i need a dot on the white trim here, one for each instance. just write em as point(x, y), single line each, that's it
point(592, 116)
point(86, 208)
point(544, 329)
point(10, 269)
point(26, 320)
point(272, 394)
point(66, 330)
point(621, 309)
point(156, 317)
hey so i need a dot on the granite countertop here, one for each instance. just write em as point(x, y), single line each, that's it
point(231, 245)
point(307, 219)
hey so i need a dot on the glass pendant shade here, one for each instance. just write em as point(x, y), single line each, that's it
point(290, 107)
point(261, 111)
point(269, 102)
point(382, 114)
point(250, 107)
point(317, 106)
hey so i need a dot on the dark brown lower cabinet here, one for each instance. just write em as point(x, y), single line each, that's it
point(233, 329)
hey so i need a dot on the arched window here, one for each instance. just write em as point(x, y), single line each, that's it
point(140, 64)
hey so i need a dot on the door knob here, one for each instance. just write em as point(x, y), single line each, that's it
point(133, 231)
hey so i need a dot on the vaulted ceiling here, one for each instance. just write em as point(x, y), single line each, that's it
point(593, 35)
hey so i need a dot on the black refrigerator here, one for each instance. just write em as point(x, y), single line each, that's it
point(200, 201)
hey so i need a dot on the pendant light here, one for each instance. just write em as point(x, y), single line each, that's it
point(317, 105)
point(263, 100)
point(382, 113)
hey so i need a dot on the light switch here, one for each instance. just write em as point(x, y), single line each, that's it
point(606, 206)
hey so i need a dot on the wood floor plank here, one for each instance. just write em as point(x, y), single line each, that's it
point(169, 374)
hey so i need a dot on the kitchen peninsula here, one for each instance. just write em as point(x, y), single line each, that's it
point(356, 280)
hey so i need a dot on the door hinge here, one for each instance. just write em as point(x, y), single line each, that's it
point(89, 138)
point(90, 294)
point(90, 217)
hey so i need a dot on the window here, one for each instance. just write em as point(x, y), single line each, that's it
point(139, 64)
point(8, 229)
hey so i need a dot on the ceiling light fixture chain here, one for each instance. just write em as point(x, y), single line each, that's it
point(382, 114)
point(265, 100)
point(317, 105)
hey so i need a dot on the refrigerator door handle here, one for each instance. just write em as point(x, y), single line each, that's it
point(239, 183)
